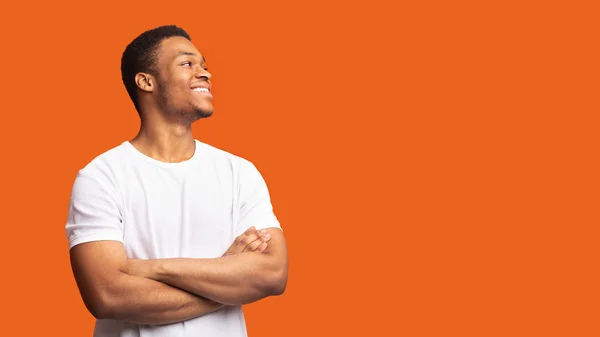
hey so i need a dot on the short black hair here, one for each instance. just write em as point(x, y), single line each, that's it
point(140, 56)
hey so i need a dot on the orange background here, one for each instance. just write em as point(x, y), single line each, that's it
point(434, 166)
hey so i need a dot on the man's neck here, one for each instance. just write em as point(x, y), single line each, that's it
point(166, 143)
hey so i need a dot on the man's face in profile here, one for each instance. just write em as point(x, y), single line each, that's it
point(183, 80)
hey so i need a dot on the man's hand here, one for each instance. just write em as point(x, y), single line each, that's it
point(250, 241)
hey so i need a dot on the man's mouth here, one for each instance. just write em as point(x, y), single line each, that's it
point(201, 89)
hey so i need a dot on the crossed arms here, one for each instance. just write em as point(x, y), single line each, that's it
point(164, 291)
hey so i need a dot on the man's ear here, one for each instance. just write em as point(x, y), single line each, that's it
point(145, 82)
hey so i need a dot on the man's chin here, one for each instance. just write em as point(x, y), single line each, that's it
point(204, 113)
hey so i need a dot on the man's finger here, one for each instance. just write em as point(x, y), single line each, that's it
point(242, 236)
point(248, 239)
point(253, 246)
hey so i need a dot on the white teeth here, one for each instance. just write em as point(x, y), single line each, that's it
point(201, 89)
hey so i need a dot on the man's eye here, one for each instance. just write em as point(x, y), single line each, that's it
point(187, 63)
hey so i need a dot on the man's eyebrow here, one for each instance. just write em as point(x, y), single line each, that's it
point(187, 53)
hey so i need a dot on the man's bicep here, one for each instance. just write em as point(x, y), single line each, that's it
point(277, 249)
point(277, 245)
point(277, 252)
point(96, 266)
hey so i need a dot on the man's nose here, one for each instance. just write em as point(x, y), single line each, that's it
point(200, 72)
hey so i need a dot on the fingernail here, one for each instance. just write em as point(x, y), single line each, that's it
point(267, 237)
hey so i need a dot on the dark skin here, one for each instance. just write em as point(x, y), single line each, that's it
point(169, 104)
point(114, 289)
point(165, 291)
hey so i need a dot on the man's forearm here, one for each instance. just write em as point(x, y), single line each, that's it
point(233, 280)
point(144, 301)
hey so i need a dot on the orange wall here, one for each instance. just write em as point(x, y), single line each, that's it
point(434, 165)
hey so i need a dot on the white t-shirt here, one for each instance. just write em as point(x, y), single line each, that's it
point(194, 208)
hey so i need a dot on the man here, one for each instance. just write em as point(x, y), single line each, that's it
point(169, 236)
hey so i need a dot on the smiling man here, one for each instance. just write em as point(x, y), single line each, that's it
point(169, 236)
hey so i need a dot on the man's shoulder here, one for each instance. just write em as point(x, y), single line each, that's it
point(241, 167)
point(223, 155)
point(106, 160)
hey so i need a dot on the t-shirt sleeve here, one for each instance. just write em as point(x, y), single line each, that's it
point(255, 208)
point(94, 213)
